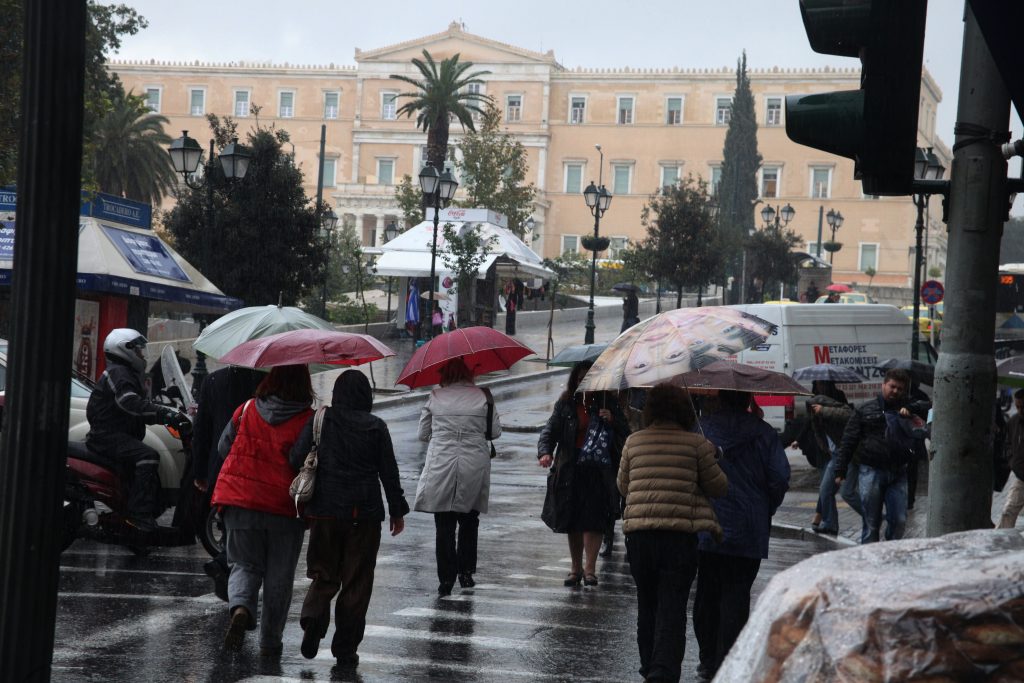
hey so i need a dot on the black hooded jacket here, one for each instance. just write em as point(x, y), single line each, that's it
point(355, 457)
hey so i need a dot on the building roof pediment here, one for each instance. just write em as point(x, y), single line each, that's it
point(454, 40)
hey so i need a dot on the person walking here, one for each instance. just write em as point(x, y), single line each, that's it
point(666, 474)
point(829, 412)
point(263, 534)
point(1015, 482)
point(879, 435)
point(456, 479)
point(755, 464)
point(812, 293)
point(355, 458)
point(582, 499)
point(630, 310)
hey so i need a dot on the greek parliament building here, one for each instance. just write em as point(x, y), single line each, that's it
point(653, 126)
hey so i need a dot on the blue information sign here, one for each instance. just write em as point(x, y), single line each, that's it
point(6, 241)
point(932, 292)
point(146, 254)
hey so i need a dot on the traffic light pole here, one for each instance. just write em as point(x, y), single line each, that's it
point(960, 486)
point(915, 339)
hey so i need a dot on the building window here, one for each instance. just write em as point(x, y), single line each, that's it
point(331, 105)
point(716, 179)
point(570, 243)
point(389, 106)
point(577, 109)
point(449, 163)
point(286, 104)
point(385, 171)
point(669, 176)
point(573, 178)
point(153, 99)
point(475, 89)
point(773, 112)
point(330, 172)
point(868, 256)
point(674, 111)
point(821, 182)
point(814, 249)
point(241, 103)
point(616, 245)
point(625, 111)
point(723, 111)
point(513, 108)
point(197, 102)
point(770, 182)
point(620, 178)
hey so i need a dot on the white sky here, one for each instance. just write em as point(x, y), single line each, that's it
point(597, 33)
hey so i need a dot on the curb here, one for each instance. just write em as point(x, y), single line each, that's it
point(422, 393)
point(799, 533)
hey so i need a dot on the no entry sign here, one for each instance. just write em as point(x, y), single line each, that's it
point(932, 292)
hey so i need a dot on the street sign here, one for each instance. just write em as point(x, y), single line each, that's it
point(932, 292)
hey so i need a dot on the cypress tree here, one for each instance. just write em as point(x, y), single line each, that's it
point(737, 191)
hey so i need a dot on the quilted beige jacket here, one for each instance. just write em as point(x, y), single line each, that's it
point(666, 476)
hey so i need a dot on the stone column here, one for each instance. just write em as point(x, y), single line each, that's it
point(378, 232)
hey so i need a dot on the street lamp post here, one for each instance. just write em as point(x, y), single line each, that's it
point(390, 233)
point(779, 218)
point(186, 155)
point(328, 222)
point(926, 167)
point(835, 221)
point(436, 188)
point(598, 200)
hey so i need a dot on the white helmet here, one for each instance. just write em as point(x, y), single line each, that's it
point(126, 344)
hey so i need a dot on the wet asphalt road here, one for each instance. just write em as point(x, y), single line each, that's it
point(122, 618)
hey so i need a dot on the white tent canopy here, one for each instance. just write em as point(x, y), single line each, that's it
point(408, 255)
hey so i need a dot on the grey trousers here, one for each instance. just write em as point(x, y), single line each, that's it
point(263, 550)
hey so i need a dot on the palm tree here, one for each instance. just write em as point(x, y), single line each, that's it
point(129, 151)
point(441, 94)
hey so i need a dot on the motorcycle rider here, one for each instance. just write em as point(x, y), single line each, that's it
point(118, 412)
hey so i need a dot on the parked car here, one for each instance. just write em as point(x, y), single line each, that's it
point(924, 323)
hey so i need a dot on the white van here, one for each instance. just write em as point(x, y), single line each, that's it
point(854, 336)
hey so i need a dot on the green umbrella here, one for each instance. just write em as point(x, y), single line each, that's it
point(571, 355)
point(254, 322)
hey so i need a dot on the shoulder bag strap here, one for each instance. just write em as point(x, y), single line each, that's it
point(318, 423)
point(490, 412)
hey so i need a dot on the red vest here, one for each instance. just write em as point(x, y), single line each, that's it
point(256, 473)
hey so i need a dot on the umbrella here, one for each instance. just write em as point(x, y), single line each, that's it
point(482, 348)
point(571, 355)
point(920, 372)
point(724, 375)
point(835, 287)
point(254, 322)
point(320, 347)
point(1011, 371)
point(625, 287)
point(438, 296)
point(672, 343)
point(826, 372)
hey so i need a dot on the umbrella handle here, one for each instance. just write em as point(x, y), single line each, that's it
point(693, 408)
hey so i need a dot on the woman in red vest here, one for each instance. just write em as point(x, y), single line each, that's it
point(264, 536)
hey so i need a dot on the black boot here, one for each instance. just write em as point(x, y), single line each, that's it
point(609, 541)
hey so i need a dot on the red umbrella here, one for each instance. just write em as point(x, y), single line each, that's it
point(839, 288)
point(483, 349)
point(300, 347)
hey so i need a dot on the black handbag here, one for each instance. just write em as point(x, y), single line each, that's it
point(490, 419)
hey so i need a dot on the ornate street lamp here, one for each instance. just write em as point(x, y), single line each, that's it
point(328, 222)
point(598, 199)
point(835, 221)
point(437, 188)
point(926, 167)
point(390, 233)
point(779, 218)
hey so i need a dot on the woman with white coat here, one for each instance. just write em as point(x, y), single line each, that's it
point(456, 479)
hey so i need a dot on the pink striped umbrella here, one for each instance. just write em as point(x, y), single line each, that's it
point(305, 347)
point(483, 350)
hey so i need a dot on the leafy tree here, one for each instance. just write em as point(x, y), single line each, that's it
point(569, 268)
point(261, 240)
point(410, 201)
point(770, 257)
point(107, 25)
point(493, 170)
point(343, 250)
point(441, 95)
point(737, 191)
point(934, 272)
point(464, 253)
point(871, 273)
point(638, 261)
point(130, 157)
point(681, 231)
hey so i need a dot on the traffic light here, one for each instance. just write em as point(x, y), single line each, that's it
point(875, 126)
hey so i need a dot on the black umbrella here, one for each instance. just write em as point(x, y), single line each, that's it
point(625, 287)
point(922, 373)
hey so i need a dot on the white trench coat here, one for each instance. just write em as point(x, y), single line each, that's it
point(456, 474)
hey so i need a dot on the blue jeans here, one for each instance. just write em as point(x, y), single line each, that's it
point(827, 495)
point(878, 487)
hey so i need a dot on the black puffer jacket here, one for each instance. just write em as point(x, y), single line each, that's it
point(864, 436)
point(118, 405)
point(356, 456)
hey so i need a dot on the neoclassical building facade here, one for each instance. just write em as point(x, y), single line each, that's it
point(652, 125)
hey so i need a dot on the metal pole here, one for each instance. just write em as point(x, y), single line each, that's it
point(832, 254)
point(821, 214)
point(588, 337)
point(33, 446)
point(915, 335)
point(433, 259)
point(319, 203)
point(743, 276)
point(199, 372)
point(960, 489)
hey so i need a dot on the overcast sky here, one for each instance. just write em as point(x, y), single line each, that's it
point(597, 33)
